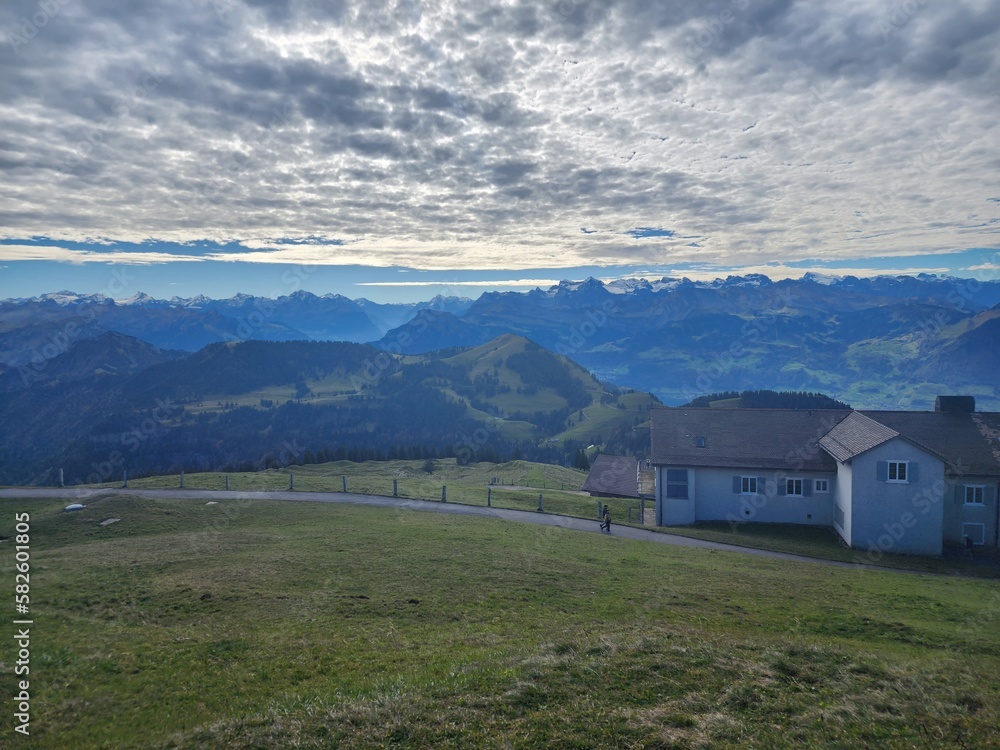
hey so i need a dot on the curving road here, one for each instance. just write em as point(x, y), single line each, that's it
point(519, 516)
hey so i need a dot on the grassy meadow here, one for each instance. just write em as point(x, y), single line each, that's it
point(259, 624)
point(823, 542)
point(520, 483)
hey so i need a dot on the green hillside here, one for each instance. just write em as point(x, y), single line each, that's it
point(259, 404)
point(268, 624)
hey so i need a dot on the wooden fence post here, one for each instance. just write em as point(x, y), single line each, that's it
point(395, 488)
point(343, 478)
point(444, 493)
point(489, 497)
point(539, 502)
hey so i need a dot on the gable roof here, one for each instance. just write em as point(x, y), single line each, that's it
point(744, 438)
point(989, 427)
point(613, 475)
point(953, 436)
point(813, 440)
point(855, 435)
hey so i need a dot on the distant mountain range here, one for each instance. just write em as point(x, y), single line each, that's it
point(53, 321)
point(873, 342)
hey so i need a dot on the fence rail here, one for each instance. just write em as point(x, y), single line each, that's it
point(560, 502)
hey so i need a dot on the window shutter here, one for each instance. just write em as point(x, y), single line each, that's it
point(960, 494)
point(988, 494)
point(882, 471)
point(912, 471)
point(761, 485)
point(782, 486)
point(737, 485)
point(807, 488)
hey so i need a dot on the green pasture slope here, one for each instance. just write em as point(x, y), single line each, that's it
point(264, 624)
point(559, 485)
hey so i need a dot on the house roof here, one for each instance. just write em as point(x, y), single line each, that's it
point(968, 443)
point(613, 475)
point(744, 438)
point(954, 436)
point(989, 427)
point(855, 435)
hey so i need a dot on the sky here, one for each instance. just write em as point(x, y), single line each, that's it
point(400, 150)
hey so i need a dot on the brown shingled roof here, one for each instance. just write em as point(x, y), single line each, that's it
point(953, 436)
point(810, 440)
point(744, 438)
point(613, 475)
point(855, 435)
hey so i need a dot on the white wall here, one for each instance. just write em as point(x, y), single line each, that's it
point(956, 512)
point(716, 500)
point(842, 500)
point(898, 517)
point(674, 511)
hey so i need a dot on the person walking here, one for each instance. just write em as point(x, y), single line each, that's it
point(606, 522)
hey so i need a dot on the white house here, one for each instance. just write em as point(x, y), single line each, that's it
point(891, 481)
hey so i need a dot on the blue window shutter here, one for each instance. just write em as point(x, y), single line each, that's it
point(988, 492)
point(737, 485)
point(782, 485)
point(761, 485)
point(960, 494)
point(882, 471)
point(807, 488)
point(912, 471)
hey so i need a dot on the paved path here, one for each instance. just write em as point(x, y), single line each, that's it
point(520, 516)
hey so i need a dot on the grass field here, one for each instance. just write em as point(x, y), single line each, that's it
point(559, 485)
point(823, 542)
point(259, 624)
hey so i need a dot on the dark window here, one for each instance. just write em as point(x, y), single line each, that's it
point(677, 484)
point(793, 487)
point(973, 494)
point(748, 485)
point(897, 471)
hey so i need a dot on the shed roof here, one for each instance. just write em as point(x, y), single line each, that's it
point(613, 475)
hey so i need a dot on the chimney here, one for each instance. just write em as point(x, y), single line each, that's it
point(955, 404)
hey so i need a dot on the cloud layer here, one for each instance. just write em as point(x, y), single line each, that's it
point(505, 134)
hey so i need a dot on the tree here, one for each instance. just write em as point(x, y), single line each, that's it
point(580, 460)
point(429, 466)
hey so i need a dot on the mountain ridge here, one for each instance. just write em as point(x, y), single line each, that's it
point(870, 341)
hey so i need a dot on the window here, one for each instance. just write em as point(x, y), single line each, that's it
point(748, 485)
point(677, 484)
point(975, 531)
point(793, 487)
point(699, 442)
point(897, 471)
point(974, 494)
point(822, 485)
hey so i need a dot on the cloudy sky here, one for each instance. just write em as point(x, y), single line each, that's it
point(394, 150)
